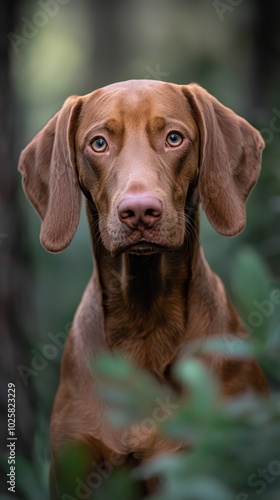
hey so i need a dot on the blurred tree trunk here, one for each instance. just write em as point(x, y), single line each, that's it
point(110, 50)
point(266, 53)
point(15, 278)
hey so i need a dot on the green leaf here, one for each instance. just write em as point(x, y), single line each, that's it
point(200, 488)
point(112, 366)
point(130, 392)
point(203, 387)
point(252, 285)
point(230, 346)
point(251, 279)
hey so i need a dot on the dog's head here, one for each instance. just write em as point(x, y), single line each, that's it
point(140, 150)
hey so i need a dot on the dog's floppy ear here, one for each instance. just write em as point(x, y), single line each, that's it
point(48, 168)
point(230, 160)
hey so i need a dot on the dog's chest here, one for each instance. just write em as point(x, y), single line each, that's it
point(150, 341)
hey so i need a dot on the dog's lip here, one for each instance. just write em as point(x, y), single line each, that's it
point(143, 247)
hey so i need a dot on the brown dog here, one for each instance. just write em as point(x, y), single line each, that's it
point(144, 153)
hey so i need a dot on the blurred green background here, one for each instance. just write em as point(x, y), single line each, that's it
point(52, 49)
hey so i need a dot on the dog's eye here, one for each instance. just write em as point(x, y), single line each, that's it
point(99, 144)
point(174, 139)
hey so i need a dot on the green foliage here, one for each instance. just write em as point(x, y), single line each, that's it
point(251, 280)
point(258, 297)
point(232, 447)
point(227, 443)
point(124, 383)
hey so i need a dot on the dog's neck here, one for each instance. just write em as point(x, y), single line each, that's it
point(138, 283)
point(141, 295)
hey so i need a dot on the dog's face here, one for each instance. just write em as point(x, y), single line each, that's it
point(139, 149)
point(136, 154)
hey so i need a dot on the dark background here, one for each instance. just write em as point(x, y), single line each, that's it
point(231, 48)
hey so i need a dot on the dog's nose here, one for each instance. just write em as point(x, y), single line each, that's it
point(142, 209)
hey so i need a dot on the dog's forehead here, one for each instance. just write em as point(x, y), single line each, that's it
point(135, 101)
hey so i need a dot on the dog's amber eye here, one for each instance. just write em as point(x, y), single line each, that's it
point(174, 139)
point(99, 144)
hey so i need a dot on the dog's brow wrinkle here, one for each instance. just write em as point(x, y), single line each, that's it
point(158, 123)
point(113, 125)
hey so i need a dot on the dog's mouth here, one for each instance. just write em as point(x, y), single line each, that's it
point(143, 247)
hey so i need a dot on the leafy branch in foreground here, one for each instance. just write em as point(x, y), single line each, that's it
point(232, 446)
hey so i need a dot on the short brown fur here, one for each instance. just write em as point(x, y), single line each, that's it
point(147, 305)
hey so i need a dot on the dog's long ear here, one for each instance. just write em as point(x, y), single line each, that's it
point(230, 160)
point(48, 168)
